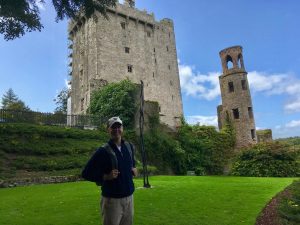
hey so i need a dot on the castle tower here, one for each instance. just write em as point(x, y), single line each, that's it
point(130, 44)
point(236, 97)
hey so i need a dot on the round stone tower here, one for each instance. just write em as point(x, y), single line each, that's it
point(236, 98)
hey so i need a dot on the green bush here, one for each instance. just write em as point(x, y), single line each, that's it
point(32, 163)
point(48, 146)
point(39, 132)
point(26, 147)
point(267, 160)
point(289, 207)
point(205, 147)
point(152, 170)
point(165, 152)
point(200, 171)
point(115, 99)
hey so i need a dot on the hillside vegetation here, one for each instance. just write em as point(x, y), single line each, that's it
point(33, 150)
point(292, 142)
point(37, 151)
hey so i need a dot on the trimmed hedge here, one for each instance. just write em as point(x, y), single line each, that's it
point(37, 132)
point(36, 148)
point(33, 163)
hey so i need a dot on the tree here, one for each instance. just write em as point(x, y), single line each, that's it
point(115, 99)
point(18, 106)
point(20, 16)
point(8, 98)
point(61, 101)
point(10, 101)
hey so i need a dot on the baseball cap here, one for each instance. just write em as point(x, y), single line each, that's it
point(114, 120)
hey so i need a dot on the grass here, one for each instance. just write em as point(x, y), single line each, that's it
point(173, 201)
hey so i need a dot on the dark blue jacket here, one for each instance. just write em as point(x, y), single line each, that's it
point(100, 164)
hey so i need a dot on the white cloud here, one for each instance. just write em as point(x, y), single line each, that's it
point(203, 120)
point(260, 128)
point(293, 123)
point(287, 130)
point(67, 84)
point(276, 84)
point(260, 81)
point(293, 105)
point(206, 86)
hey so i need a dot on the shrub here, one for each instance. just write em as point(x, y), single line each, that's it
point(200, 171)
point(165, 152)
point(32, 163)
point(289, 207)
point(205, 147)
point(115, 99)
point(266, 160)
point(152, 170)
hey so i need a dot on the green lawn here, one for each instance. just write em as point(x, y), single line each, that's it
point(173, 200)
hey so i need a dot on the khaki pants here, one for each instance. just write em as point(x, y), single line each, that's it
point(117, 211)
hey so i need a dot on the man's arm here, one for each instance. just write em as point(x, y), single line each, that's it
point(93, 170)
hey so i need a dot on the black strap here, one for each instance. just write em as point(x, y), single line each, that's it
point(112, 154)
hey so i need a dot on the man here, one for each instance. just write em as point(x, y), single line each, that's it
point(113, 166)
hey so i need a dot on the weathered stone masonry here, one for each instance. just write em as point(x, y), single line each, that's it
point(236, 97)
point(131, 44)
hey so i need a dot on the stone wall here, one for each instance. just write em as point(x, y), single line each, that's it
point(38, 180)
point(131, 44)
point(264, 135)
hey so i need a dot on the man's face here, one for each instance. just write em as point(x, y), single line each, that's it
point(115, 131)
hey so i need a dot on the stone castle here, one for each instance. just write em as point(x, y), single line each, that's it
point(236, 98)
point(130, 44)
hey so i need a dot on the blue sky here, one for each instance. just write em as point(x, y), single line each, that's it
point(35, 66)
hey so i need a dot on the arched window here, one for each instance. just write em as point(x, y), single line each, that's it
point(240, 61)
point(229, 62)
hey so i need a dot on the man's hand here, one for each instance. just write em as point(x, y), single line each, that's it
point(112, 175)
point(134, 172)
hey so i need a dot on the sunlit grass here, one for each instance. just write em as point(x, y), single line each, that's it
point(173, 200)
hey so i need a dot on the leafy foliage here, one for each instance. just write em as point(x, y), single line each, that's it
point(70, 8)
point(115, 99)
point(20, 16)
point(32, 163)
point(36, 148)
point(289, 209)
point(10, 101)
point(61, 101)
point(267, 160)
point(292, 142)
point(205, 147)
point(165, 152)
